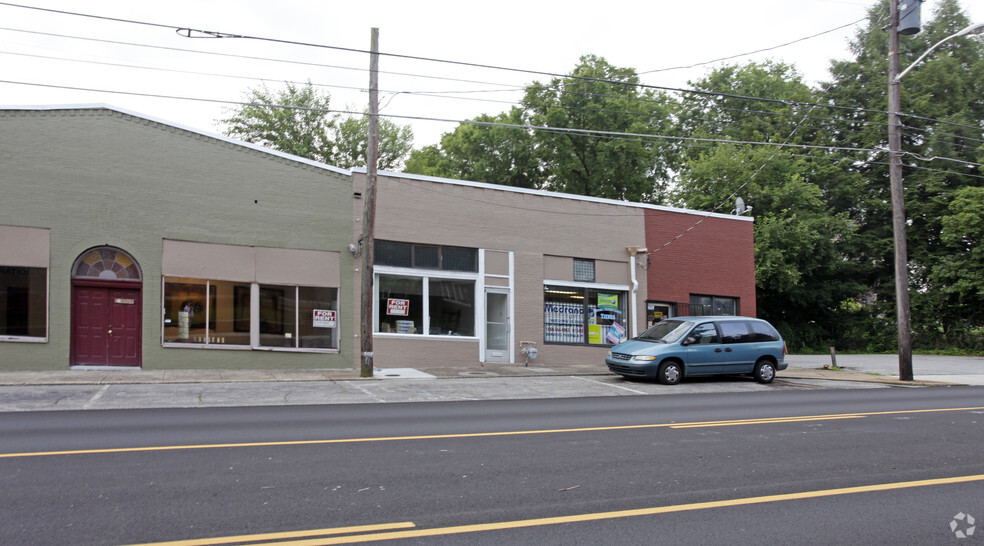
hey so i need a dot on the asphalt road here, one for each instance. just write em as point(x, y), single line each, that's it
point(767, 467)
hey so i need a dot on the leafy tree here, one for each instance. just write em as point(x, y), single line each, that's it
point(487, 151)
point(395, 142)
point(298, 120)
point(941, 113)
point(587, 136)
point(802, 278)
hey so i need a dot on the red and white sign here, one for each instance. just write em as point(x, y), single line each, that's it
point(400, 308)
point(324, 318)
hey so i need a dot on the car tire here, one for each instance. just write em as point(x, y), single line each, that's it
point(670, 373)
point(765, 371)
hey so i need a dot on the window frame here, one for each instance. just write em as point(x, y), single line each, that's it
point(254, 319)
point(714, 299)
point(47, 310)
point(624, 292)
point(425, 276)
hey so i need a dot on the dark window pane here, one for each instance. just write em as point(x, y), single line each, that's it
point(23, 301)
point(763, 332)
point(452, 307)
point(426, 257)
point(401, 304)
point(455, 258)
point(733, 332)
point(392, 253)
point(318, 314)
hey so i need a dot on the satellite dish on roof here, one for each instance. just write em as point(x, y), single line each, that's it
point(740, 207)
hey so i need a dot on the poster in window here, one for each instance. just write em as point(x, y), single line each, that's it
point(607, 301)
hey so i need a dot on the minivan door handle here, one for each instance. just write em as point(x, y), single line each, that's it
point(718, 350)
point(728, 350)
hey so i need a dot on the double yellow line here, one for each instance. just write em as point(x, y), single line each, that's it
point(723, 423)
point(405, 530)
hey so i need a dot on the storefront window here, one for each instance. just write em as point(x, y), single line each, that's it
point(580, 315)
point(190, 317)
point(23, 301)
point(298, 316)
point(426, 305)
point(452, 307)
point(401, 304)
point(288, 316)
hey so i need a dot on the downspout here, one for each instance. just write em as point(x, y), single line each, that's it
point(633, 305)
point(635, 291)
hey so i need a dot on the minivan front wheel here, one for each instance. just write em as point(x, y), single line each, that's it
point(765, 371)
point(670, 373)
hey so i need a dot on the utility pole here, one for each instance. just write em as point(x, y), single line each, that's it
point(369, 213)
point(898, 196)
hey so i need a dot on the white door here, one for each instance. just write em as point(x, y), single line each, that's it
point(496, 326)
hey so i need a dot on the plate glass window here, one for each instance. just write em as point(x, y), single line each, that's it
point(23, 301)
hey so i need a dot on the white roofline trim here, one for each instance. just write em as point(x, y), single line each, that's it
point(217, 136)
point(559, 195)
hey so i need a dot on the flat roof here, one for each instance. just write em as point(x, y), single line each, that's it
point(558, 195)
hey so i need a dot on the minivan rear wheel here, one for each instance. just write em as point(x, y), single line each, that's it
point(670, 373)
point(765, 371)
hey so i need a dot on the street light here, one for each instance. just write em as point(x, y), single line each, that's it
point(976, 28)
point(895, 180)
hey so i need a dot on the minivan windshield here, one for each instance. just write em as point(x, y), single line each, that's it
point(666, 331)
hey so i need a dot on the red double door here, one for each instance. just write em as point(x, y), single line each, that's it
point(106, 323)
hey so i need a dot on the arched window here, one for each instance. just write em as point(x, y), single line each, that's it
point(106, 263)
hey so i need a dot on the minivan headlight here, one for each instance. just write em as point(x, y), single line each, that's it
point(644, 357)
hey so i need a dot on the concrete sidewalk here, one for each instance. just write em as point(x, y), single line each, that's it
point(73, 390)
point(143, 377)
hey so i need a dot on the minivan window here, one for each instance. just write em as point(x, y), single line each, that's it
point(762, 331)
point(733, 332)
point(666, 331)
point(704, 334)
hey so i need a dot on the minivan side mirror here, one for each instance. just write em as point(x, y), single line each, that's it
point(689, 341)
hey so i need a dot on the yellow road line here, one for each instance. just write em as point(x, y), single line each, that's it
point(580, 518)
point(240, 539)
point(769, 420)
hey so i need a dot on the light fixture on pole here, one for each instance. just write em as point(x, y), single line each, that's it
point(971, 30)
point(895, 179)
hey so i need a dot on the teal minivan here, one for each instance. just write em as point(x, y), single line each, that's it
point(692, 346)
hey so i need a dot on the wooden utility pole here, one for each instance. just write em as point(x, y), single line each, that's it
point(369, 213)
point(898, 196)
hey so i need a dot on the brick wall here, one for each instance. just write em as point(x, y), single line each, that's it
point(708, 255)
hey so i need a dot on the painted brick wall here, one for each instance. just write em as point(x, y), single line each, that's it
point(102, 177)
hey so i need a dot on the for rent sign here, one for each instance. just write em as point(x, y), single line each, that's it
point(324, 318)
point(400, 308)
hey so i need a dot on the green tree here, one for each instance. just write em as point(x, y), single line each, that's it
point(958, 278)
point(941, 112)
point(490, 151)
point(592, 129)
point(395, 142)
point(298, 120)
point(584, 134)
point(802, 277)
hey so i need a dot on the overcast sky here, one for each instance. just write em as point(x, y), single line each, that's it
point(76, 53)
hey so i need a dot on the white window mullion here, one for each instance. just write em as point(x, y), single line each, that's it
point(297, 316)
point(208, 304)
point(254, 315)
point(426, 305)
